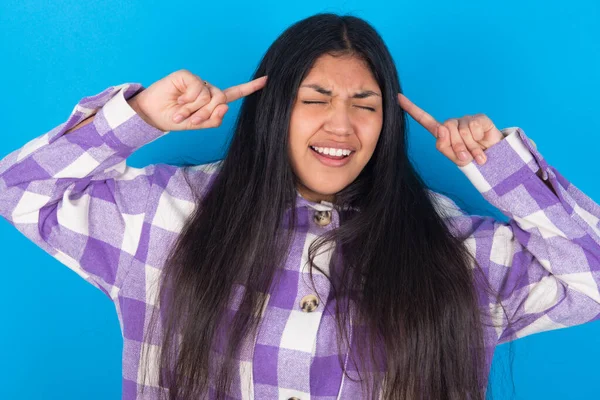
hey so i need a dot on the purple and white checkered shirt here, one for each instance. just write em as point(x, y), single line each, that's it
point(75, 197)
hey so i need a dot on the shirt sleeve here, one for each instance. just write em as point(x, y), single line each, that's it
point(75, 196)
point(545, 262)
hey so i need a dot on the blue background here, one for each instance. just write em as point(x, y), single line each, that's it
point(532, 64)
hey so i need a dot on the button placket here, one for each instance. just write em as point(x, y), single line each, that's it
point(309, 303)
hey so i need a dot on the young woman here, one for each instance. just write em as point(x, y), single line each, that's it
point(313, 261)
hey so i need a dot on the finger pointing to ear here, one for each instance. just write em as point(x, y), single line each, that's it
point(236, 92)
point(419, 115)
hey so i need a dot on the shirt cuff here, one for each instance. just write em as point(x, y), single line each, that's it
point(121, 126)
point(115, 122)
point(511, 160)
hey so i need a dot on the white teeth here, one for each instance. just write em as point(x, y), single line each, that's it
point(332, 151)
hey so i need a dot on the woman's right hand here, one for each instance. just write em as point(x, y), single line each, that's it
point(201, 105)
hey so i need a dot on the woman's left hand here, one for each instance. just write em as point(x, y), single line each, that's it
point(461, 140)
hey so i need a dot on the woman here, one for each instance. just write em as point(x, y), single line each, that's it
point(312, 262)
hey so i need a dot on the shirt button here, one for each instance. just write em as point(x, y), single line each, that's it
point(322, 218)
point(309, 302)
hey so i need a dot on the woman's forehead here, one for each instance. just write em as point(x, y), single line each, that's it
point(340, 73)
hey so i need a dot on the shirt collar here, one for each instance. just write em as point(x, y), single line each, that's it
point(317, 206)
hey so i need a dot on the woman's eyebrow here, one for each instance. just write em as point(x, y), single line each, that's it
point(360, 95)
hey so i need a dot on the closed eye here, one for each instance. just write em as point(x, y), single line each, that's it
point(367, 108)
point(323, 102)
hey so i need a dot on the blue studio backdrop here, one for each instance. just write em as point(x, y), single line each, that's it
point(532, 64)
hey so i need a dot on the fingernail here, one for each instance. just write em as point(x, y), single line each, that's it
point(196, 120)
point(442, 134)
point(178, 118)
point(180, 100)
point(480, 159)
point(462, 155)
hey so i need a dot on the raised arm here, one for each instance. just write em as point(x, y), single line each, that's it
point(544, 262)
point(71, 191)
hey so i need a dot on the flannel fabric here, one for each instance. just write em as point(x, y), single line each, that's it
point(75, 196)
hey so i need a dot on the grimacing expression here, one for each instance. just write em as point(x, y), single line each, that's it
point(338, 110)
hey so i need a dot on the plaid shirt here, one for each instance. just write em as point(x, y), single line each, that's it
point(75, 197)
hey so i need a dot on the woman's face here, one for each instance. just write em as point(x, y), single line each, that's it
point(335, 124)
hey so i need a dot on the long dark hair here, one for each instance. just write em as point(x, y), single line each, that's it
point(408, 281)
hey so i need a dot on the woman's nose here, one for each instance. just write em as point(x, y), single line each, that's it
point(338, 121)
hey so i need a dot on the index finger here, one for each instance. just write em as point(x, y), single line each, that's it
point(236, 92)
point(419, 115)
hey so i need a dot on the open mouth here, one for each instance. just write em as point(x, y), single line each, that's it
point(334, 154)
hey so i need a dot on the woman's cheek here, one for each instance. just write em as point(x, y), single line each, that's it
point(372, 136)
